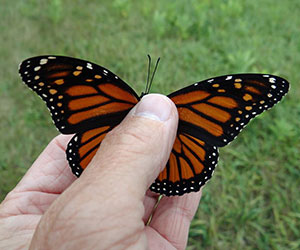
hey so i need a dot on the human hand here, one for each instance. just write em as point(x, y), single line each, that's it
point(108, 206)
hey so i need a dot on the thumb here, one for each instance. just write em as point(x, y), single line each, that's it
point(106, 203)
point(133, 154)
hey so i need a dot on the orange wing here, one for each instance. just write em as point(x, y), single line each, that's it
point(83, 146)
point(79, 94)
point(190, 166)
point(83, 98)
point(216, 110)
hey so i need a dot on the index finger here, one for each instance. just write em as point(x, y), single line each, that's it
point(50, 173)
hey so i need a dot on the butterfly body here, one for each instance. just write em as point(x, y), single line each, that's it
point(89, 100)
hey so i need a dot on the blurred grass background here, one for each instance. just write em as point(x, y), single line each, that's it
point(253, 199)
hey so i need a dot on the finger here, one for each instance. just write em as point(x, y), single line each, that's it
point(149, 204)
point(157, 241)
point(109, 195)
point(50, 173)
point(173, 216)
point(132, 155)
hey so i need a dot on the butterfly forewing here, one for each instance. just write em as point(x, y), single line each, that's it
point(216, 110)
point(79, 94)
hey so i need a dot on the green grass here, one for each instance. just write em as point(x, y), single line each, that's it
point(253, 200)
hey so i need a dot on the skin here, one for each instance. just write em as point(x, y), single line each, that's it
point(109, 205)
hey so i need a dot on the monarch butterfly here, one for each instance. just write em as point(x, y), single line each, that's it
point(89, 100)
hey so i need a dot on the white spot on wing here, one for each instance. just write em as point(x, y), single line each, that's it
point(43, 61)
point(37, 68)
point(89, 66)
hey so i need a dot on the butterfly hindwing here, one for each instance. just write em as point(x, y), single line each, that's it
point(83, 146)
point(216, 110)
point(190, 166)
point(79, 94)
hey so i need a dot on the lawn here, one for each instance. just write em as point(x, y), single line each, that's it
point(253, 200)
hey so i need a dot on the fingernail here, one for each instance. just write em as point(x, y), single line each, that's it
point(154, 106)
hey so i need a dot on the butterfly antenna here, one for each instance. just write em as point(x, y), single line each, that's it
point(148, 76)
point(150, 84)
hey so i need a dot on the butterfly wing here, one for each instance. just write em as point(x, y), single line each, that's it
point(83, 98)
point(79, 94)
point(216, 110)
point(190, 166)
point(83, 146)
point(211, 114)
